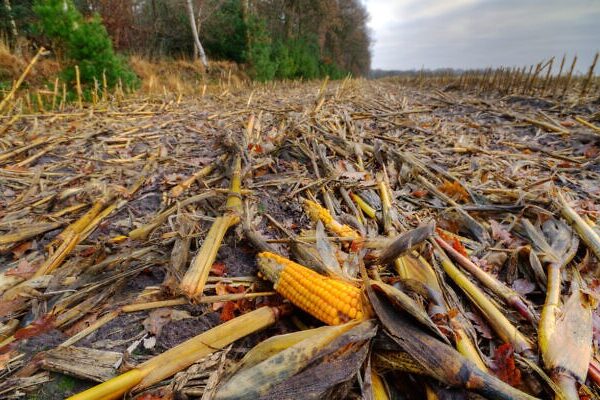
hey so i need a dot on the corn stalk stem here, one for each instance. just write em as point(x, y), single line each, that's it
point(195, 278)
point(511, 297)
point(17, 84)
point(587, 234)
point(497, 320)
point(181, 356)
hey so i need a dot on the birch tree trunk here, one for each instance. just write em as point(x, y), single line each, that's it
point(197, 43)
point(13, 26)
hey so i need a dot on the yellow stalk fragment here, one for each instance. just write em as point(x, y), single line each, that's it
point(70, 240)
point(181, 356)
point(588, 124)
point(96, 221)
point(496, 319)
point(19, 81)
point(27, 232)
point(176, 191)
point(195, 278)
point(465, 346)
point(92, 328)
point(586, 233)
point(79, 225)
point(378, 386)
point(364, 206)
point(112, 389)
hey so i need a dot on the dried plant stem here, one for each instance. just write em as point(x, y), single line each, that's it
point(495, 317)
point(79, 91)
point(19, 81)
point(181, 356)
point(511, 297)
point(586, 233)
point(195, 278)
point(177, 190)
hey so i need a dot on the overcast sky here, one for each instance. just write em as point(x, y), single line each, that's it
point(479, 33)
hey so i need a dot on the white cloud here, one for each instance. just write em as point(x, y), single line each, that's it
point(479, 33)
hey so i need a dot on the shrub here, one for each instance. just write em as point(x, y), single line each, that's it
point(81, 42)
point(259, 51)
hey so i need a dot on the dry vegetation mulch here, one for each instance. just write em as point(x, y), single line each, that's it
point(489, 172)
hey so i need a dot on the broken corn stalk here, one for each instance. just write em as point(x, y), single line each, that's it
point(70, 240)
point(79, 225)
point(330, 300)
point(497, 320)
point(176, 191)
point(182, 356)
point(416, 267)
point(585, 231)
point(27, 232)
point(195, 278)
point(509, 296)
point(364, 206)
point(319, 213)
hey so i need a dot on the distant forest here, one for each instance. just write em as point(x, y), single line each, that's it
point(276, 39)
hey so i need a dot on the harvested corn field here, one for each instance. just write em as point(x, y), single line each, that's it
point(353, 239)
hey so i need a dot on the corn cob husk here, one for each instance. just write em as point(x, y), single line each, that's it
point(412, 266)
point(281, 359)
point(181, 356)
point(572, 330)
point(318, 213)
point(378, 387)
point(330, 300)
point(439, 360)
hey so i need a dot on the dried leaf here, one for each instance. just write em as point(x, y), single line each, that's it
point(505, 367)
point(419, 193)
point(228, 311)
point(37, 327)
point(454, 190)
point(480, 325)
point(5, 358)
point(19, 250)
point(523, 286)
point(23, 270)
point(499, 233)
point(156, 320)
point(218, 269)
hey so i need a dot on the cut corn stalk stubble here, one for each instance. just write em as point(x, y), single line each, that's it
point(195, 278)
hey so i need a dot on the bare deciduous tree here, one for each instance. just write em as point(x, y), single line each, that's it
point(197, 43)
point(13, 26)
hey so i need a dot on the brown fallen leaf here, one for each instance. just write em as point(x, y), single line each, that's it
point(23, 270)
point(156, 320)
point(454, 190)
point(20, 249)
point(505, 368)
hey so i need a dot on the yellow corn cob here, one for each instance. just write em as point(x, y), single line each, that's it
point(316, 212)
point(330, 300)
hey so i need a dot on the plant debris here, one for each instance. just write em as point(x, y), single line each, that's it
point(455, 228)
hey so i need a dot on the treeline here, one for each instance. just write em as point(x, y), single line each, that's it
point(275, 38)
